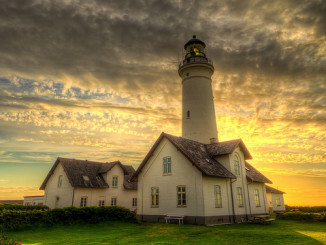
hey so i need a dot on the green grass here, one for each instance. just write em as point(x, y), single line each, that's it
point(280, 232)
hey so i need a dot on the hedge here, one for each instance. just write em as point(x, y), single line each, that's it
point(314, 209)
point(22, 207)
point(297, 215)
point(21, 219)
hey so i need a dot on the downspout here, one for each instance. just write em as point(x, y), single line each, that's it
point(233, 212)
point(265, 201)
point(73, 197)
point(249, 197)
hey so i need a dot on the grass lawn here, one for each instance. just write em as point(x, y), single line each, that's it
point(280, 232)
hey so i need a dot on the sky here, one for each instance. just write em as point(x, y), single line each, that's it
point(98, 80)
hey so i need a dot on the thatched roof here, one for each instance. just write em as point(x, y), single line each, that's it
point(254, 175)
point(273, 190)
point(88, 174)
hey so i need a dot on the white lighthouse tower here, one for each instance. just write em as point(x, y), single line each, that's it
point(198, 112)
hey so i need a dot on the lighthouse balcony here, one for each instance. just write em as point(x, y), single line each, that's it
point(196, 60)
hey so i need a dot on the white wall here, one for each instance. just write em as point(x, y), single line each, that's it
point(271, 199)
point(263, 207)
point(55, 196)
point(209, 197)
point(241, 181)
point(63, 197)
point(197, 97)
point(183, 173)
point(94, 195)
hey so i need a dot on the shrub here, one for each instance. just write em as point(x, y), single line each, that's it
point(312, 217)
point(315, 209)
point(22, 207)
point(21, 219)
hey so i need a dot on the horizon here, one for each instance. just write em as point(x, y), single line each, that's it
point(99, 81)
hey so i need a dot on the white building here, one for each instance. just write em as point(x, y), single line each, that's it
point(275, 199)
point(33, 200)
point(195, 176)
point(79, 183)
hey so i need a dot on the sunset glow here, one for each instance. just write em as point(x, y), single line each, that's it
point(100, 82)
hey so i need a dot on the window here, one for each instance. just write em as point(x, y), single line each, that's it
point(134, 202)
point(83, 201)
point(59, 181)
point(115, 181)
point(239, 197)
point(155, 196)
point(236, 166)
point(188, 114)
point(167, 165)
point(181, 194)
point(113, 201)
point(257, 201)
point(278, 201)
point(101, 203)
point(217, 195)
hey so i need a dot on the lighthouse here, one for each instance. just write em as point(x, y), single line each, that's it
point(198, 112)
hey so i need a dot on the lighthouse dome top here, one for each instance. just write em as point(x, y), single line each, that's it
point(194, 40)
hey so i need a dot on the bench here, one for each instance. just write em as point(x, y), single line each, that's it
point(170, 217)
point(262, 219)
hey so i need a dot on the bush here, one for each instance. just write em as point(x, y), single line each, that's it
point(312, 217)
point(22, 207)
point(315, 209)
point(7, 241)
point(22, 219)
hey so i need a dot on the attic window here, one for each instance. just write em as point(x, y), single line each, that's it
point(85, 177)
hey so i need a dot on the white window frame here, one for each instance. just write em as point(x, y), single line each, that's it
point(115, 181)
point(240, 197)
point(155, 197)
point(83, 201)
point(218, 196)
point(114, 201)
point(134, 202)
point(278, 201)
point(181, 196)
point(59, 181)
point(167, 165)
point(257, 199)
point(101, 203)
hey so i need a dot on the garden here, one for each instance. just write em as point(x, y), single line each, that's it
point(116, 225)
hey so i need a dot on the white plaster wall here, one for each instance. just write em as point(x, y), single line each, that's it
point(275, 207)
point(241, 181)
point(52, 191)
point(209, 197)
point(263, 208)
point(94, 195)
point(124, 197)
point(197, 97)
point(225, 161)
point(183, 173)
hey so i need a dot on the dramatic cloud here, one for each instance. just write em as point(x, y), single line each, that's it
point(98, 80)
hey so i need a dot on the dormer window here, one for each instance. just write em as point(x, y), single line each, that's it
point(167, 165)
point(86, 178)
point(115, 181)
point(59, 181)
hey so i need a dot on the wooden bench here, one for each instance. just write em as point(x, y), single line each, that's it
point(262, 219)
point(170, 217)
